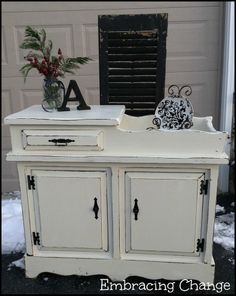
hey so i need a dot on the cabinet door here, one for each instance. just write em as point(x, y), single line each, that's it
point(63, 211)
point(169, 212)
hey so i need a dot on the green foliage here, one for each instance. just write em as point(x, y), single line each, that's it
point(25, 70)
point(70, 64)
point(33, 39)
point(40, 57)
point(30, 32)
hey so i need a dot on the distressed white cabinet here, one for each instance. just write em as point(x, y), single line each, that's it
point(107, 193)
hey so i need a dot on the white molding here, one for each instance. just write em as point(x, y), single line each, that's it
point(227, 88)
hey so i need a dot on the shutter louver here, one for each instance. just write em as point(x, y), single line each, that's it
point(132, 61)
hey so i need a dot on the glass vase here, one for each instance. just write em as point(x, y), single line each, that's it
point(53, 94)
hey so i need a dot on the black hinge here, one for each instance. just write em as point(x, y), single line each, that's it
point(200, 245)
point(36, 238)
point(31, 183)
point(204, 187)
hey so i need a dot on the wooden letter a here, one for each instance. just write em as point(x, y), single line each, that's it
point(78, 97)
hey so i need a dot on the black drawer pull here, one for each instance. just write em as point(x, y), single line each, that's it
point(135, 209)
point(96, 208)
point(61, 141)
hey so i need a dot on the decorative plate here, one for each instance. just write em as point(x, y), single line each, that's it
point(174, 112)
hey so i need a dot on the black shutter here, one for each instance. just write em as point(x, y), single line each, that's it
point(132, 60)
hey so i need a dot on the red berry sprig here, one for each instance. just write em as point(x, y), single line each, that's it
point(46, 67)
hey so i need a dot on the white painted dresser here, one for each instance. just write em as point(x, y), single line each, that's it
point(106, 193)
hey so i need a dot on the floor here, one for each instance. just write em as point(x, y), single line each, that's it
point(14, 281)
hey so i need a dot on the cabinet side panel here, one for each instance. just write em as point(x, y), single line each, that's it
point(25, 208)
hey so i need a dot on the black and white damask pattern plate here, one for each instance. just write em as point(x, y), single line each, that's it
point(174, 113)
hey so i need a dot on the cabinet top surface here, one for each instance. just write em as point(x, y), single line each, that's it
point(125, 136)
point(98, 115)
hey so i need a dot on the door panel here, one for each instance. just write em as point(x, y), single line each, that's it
point(63, 206)
point(170, 210)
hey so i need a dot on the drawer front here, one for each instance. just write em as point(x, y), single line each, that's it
point(62, 140)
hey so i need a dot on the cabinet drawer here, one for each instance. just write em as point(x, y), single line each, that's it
point(62, 140)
